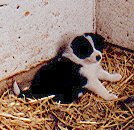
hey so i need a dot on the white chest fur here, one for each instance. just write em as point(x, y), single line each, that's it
point(90, 70)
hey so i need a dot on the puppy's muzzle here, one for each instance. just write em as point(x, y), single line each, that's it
point(98, 58)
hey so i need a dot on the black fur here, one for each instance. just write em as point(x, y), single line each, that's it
point(60, 77)
point(98, 41)
point(81, 47)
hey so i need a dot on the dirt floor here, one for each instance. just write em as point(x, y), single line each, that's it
point(90, 113)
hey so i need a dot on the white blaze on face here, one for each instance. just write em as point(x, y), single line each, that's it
point(95, 53)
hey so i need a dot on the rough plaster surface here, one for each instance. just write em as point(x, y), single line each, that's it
point(115, 21)
point(31, 30)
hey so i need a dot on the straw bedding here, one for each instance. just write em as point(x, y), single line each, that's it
point(89, 113)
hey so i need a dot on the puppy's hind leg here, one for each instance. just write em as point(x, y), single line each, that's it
point(104, 75)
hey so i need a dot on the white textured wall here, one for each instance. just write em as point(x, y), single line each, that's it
point(31, 30)
point(115, 21)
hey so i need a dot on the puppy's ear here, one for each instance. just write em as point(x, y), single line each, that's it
point(98, 40)
point(81, 47)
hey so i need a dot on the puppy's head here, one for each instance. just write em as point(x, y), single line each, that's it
point(88, 47)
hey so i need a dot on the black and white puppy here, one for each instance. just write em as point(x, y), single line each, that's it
point(73, 71)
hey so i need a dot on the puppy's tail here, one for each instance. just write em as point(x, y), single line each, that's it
point(16, 88)
point(21, 94)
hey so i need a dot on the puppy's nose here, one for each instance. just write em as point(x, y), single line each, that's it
point(98, 57)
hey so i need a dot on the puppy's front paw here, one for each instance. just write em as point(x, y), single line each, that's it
point(111, 96)
point(116, 77)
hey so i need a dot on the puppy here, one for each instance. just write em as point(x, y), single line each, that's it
point(73, 71)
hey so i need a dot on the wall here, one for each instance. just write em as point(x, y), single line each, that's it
point(115, 21)
point(31, 31)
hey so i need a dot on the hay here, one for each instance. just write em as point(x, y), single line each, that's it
point(91, 112)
